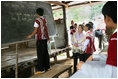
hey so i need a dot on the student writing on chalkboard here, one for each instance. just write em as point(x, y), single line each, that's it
point(41, 32)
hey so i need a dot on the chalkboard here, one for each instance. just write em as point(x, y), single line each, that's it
point(17, 19)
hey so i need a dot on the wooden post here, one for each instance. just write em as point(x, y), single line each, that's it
point(64, 18)
point(66, 33)
point(16, 71)
point(70, 72)
point(55, 58)
point(32, 70)
point(67, 53)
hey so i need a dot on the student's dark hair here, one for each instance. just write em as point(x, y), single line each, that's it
point(110, 9)
point(72, 21)
point(89, 26)
point(75, 24)
point(83, 23)
point(40, 11)
point(91, 23)
point(82, 26)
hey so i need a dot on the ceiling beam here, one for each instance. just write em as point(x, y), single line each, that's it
point(81, 4)
point(67, 2)
point(57, 3)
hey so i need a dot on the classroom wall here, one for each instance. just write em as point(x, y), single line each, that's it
point(60, 40)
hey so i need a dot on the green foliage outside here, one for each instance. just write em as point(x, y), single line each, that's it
point(96, 10)
point(56, 14)
point(81, 14)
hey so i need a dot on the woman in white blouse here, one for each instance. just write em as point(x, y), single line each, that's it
point(78, 40)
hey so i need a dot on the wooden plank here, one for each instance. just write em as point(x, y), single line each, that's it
point(55, 71)
point(66, 2)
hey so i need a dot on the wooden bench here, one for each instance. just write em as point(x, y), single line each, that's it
point(54, 54)
point(27, 58)
point(55, 71)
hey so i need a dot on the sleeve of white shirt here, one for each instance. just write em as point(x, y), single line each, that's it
point(85, 44)
point(35, 24)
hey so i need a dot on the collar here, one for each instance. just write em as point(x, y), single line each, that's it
point(115, 31)
point(41, 16)
point(88, 31)
point(80, 33)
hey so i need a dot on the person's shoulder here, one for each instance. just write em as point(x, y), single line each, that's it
point(43, 17)
point(88, 33)
point(74, 33)
point(83, 33)
point(114, 36)
point(115, 33)
point(37, 19)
